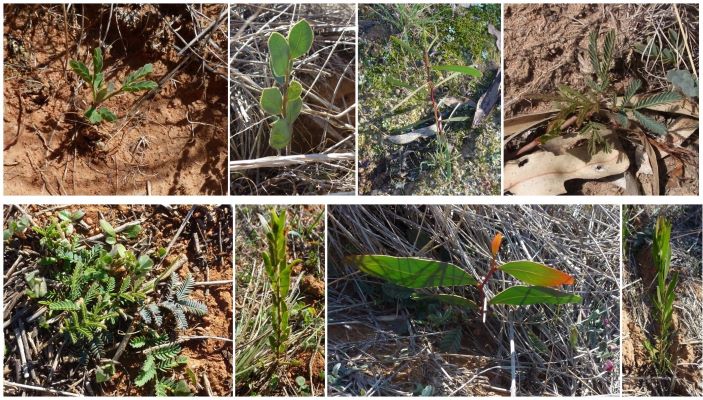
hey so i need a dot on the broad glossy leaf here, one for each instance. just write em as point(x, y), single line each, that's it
point(524, 295)
point(300, 39)
point(462, 69)
point(412, 272)
point(271, 100)
point(81, 70)
point(293, 110)
point(279, 53)
point(451, 299)
point(534, 273)
point(495, 244)
point(97, 61)
point(295, 89)
point(280, 134)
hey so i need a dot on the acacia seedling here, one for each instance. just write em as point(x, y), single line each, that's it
point(600, 103)
point(663, 301)
point(102, 91)
point(284, 101)
point(278, 270)
point(420, 273)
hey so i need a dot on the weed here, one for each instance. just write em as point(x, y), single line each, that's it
point(663, 300)
point(278, 270)
point(102, 91)
point(285, 102)
point(600, 101)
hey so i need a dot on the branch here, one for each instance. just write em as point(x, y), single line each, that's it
point(283, 161)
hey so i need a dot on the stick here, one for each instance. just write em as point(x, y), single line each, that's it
point(40, 389)
point(282, 161)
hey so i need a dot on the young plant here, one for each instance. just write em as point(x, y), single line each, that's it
point(278, 270)
point(587, 111)
point(284, 102)
point(419, 273)
point(102, 91)
point(663, 301)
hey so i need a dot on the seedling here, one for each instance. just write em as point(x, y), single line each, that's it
point(278, 270)
point(599, 102)
point(284, 102)
point(102, 91)
point(91, 292)
point(659, 351)
point(419, 273)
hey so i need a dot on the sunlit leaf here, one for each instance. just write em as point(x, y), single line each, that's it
point(412, 272)
point(300, 39)
point(534, 273)
point(462, 69)
point(495, 244)
point(293, 109)
point(280, 134)
point(81, 70)
point(271, 100)
point(295, 89)
point(524, 295)
point(279, 53)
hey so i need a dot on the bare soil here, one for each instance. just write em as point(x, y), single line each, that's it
point(172, 143)
point(211, 259)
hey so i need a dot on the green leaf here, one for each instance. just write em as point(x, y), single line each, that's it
point(630, 91)
point(142, 72)
point(98, 81)
point(97, 61)
point(271, 100)
point(608, 48)
point(650, 124)
point(300, 39)
point(93, 116)
point(81, 70)
point(133, 231)
point(107, 115)
point(538, 274)
point(451, 299)
point(279, 53)
point(295, 89)
point(462, 69)
point(63, 305)
point(622, 120)
point(280, 134)
point(524, 295)
point(139, 86)
point(657, 99)
point(181, 389)
point(684, 81)
point(412, 272)
point(300, 381)
point(107, 229)
point(593, 55)
point(293, 110)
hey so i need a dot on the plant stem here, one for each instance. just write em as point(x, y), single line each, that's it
point(430, 85)
point(491, 271)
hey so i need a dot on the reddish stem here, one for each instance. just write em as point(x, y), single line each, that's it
point(491, 271)
point(430, 84)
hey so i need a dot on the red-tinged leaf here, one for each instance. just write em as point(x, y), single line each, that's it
point(525, 295)
point(495, 244)
point(538, 274)
point(412, 272)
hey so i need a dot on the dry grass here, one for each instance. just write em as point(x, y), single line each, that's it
point(380, 344)
point(640, 378)
point(327, 124)
point(257, 372)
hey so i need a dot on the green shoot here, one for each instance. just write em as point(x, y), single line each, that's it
point(102, 91)
point(419, 273)
point(663, 301)
point(278, 270)
point(284, 102)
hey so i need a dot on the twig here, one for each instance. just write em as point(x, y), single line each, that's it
point(282, 161)
point(213, 283)
point(40, 389)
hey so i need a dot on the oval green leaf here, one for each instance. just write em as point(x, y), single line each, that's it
point(271, 100)
point(462, 69)
point(108, 230)
point(300, 39)
point(538, 274)
point(412, 272)
point(280, 134)
point(295, 89)
point(524, 295)
point(293, 110)
point(451, 299)
point(81, 70)
point(279, 53)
